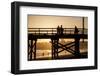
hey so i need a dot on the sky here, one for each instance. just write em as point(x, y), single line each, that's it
point(40, 21)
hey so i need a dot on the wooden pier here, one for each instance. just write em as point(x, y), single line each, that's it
point(52, 33)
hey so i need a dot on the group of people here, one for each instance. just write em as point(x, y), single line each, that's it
point(60, 30)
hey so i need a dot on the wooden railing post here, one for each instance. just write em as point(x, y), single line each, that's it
point(39, 31)
point(77, 43)
point(52, 31)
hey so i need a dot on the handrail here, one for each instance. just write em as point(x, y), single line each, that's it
point(54, 30)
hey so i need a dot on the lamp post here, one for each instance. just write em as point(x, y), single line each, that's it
point(83, 27)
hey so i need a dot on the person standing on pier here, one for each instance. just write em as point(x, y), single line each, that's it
point(76, 30)
point(61, 30)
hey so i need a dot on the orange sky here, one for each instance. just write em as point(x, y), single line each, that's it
point(39, 21)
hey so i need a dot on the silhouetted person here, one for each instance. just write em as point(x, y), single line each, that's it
point(61, 30)
point(58, 30)
point(76, 30)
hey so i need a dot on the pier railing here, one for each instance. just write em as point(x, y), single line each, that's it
point(53, 31)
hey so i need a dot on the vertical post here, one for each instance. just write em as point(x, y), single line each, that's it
point(35, 49)
point(39, 31)
point(83, 27)
point(54, 53)
point(65, 31)
point(57, 48)
point(28, 49)
point(77, 42)
point(52, 49)
point(52, 31)
point(31, 49)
